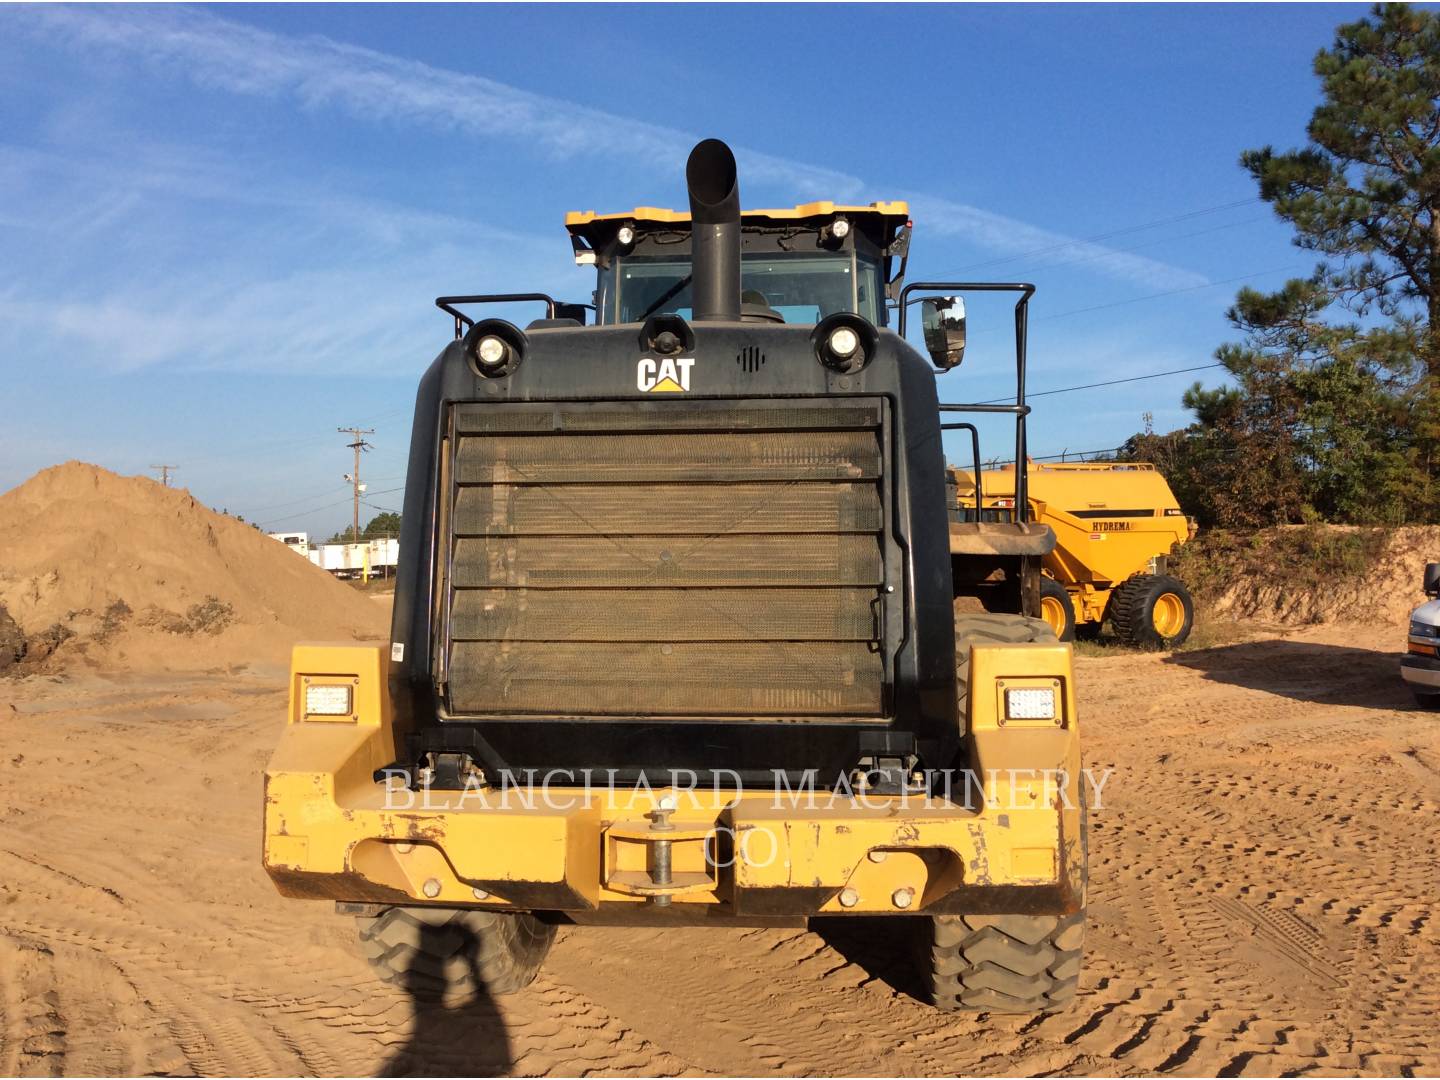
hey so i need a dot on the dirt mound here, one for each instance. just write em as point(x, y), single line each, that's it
point(120, 569)
point(1313, 574)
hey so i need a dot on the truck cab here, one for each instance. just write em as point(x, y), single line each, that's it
point(1420, 666)
point(796, 266)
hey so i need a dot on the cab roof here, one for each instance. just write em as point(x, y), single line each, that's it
point(884, 218)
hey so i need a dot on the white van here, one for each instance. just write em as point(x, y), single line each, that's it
point(1420, 666)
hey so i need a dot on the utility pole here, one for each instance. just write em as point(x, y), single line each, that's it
point(165, 471)
point(358, 434)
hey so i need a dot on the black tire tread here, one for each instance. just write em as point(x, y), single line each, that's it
point(1130, 610)
point(1005, 964)
point(421, 948)
point(1426, 700)
point(988, 629)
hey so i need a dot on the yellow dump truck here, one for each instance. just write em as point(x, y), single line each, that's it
point(1116, 524)
point(681, 636)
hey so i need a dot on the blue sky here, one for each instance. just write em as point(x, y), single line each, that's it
point(222, 228)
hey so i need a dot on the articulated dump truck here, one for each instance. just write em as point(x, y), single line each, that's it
point(683, 634)
point(1116, 525)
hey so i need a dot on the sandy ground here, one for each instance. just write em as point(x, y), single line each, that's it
point(1263, 872)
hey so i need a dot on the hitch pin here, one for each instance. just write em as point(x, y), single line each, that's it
point(660, 850)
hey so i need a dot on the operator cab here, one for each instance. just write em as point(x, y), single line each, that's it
point(800, 264)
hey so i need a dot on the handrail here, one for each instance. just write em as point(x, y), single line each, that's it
point(1019, 410)
point(975, 449)
point(447, 305)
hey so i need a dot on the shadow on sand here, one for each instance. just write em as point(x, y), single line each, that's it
point(1305, 671)
point(884, 947)
point(467, 1038)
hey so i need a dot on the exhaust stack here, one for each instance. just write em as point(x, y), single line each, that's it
point(714, 232)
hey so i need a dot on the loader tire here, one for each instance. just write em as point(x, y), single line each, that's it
point(428, 951)
point(1152, 611)
point(989, 629)
point(1010, 963)
point(1057, 609)
point(1005, 963)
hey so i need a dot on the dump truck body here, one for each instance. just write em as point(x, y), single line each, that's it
point(674, 636)
point(1112, 522)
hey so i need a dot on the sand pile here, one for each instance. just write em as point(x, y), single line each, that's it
point(121, 570)
point(1385, 593)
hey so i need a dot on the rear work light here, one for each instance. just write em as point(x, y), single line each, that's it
point(1030, 703)
point(327, 699)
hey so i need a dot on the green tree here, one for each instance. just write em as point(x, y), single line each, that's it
point(1332, 414)
point(1366, 190)
point(382, 525)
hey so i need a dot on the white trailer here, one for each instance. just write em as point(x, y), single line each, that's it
point(297, 542)
point(374, 558)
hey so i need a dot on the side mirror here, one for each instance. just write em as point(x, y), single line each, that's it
point(943, 320)
point(1431, 580)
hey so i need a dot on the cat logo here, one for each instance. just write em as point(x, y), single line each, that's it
point(664, 376)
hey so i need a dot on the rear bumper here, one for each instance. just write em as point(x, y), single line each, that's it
point(1007, 839)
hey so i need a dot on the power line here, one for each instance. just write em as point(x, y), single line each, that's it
point(303, 513)
point(1108, 382)
point(291, 502)
point(1106, 252)
point(1167, 292)
point(1063, 455)
point(304, 440)
point(316, 509)
point(1102, 236)
point(165, 471)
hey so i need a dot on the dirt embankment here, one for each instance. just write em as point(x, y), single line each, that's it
point(120, 571)
point(1311, 574)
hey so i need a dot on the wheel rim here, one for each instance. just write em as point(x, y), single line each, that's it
point(1053, 612)
point(1168, 615)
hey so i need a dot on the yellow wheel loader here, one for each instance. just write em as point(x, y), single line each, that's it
point(675, 635)
point(1116, 525)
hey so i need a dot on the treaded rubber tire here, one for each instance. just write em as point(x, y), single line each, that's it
point(425, 950)
point(1133, 605)
point(987, 629)
point(1426, 700)
point(1052, 590)
point(1004, 963)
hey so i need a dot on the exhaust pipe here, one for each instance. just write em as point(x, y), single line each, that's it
point(714, 233)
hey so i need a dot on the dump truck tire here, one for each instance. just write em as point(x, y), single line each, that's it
point(428, 951)
point(1057, 609)
point(1152, 611)
point(1426, 700)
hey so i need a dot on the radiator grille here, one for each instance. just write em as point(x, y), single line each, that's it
point(684, 559)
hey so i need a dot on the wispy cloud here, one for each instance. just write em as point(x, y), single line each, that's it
point(1034, 245)
point(320, 73)
point(178, 258)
